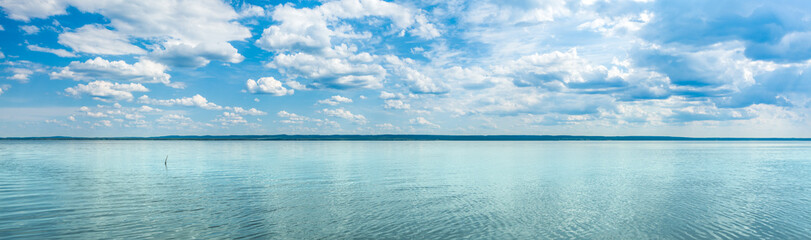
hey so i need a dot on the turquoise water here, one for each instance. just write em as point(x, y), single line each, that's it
point(410, 190)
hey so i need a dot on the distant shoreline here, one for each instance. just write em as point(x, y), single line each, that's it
point(405, 137)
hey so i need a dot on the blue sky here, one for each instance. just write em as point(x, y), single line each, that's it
point(591, 67)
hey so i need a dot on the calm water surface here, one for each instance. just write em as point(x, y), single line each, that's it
point(411, 190)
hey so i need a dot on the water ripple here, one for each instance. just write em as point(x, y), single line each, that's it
point(410, 190)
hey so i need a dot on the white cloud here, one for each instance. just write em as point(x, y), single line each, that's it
point(4, 88)
point(183, 29)
point(335, 100)
point(194, 101)
point(57, 52)
point(611, 26)
point(422, 121)
point(342, 113)
point(353, 71)
point(304, 37)
point(184, 54)
point(249, 10)
point(424, 29)
point(515, 12)
point(104, 123)
point(146, 108)
point(418, 83)
point(229, 118)
point(25, 10)
point(252, 111)
point(22, 75)
point(307, 28)
point(191, 29)
point(96, 114)
point(96, 39)
point(29, 29)
point(292, 117)
point(295, 85)
point(267, 85)
point(175, 120)
point(471, 78)
point(103, 90)
point(387, 126)
point(558, 71)
point(388, 95)
point(396, 104)
point(143, 71)
point(1, 28)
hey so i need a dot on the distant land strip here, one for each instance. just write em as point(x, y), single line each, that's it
point(406, 137)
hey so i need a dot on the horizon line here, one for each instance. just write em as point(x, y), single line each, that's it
point(415, 137)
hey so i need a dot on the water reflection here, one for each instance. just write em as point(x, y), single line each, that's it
point(675, 190)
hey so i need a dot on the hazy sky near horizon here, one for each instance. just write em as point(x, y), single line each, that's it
point(590, 67)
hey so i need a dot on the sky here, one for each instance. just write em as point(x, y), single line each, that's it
point(592, 67)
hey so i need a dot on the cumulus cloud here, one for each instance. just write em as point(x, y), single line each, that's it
point(601, 65)
point(557, 71)
point(146, 108)
point(196, 31)
point(103, 90)
point(4, 88)
point(335, 100)
point(194, 101)
point(29, 29)
point(342, 113)
point(785, 87)
point(21, 75)
point(472, 78)
point(611, 26)
point(175, 120)
point(267, 85)
point(143, 71)
point(252, 111)
point(419, 82)
point(25, 10)
point(767, 30)
point(396, 104)
point(388, 95)
point(307, 28)
point(344, 72)
point(709, 73)
point(97, 39)
point(295, 85)
point(249, 10)
point(291, 117)
point(57, 52)
point(303, 39)
point(103, 123)
point(515, 12)
point(387, 126)
point(422, 121)
point(708, 113)
point(96, 114)
point(229, 118)
point(184, 54)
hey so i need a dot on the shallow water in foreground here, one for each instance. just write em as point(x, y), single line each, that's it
point(411, 190)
